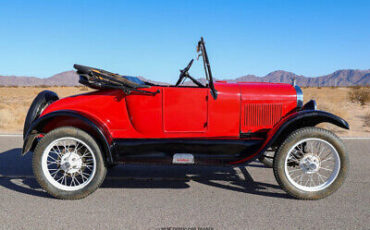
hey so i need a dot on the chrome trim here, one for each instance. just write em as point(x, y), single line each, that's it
point(299, 96)
point(314, 105)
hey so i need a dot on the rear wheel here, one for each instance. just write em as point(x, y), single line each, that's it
point(68, 164)
point(311, 164)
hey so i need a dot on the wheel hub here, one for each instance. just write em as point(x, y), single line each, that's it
point(71, 162)
point(310, 163)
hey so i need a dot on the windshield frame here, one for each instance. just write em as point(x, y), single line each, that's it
point(207, 67)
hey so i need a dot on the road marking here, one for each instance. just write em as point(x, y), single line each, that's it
point(11, 135)
point(355, 138)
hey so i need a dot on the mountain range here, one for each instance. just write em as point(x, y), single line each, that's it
point(347, 77)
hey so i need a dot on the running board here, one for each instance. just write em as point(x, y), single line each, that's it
point(199, 146)
point(204, 151)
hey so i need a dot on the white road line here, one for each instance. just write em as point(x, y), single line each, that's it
point(11, 135)
point(355, 138)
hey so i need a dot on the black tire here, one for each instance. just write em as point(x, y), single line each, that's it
point(295, 137)
point(96, 180)
point(41, 101)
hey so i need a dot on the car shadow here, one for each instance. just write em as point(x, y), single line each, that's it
point(16, 174)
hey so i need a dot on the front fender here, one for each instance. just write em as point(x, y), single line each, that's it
point(297, 120)
point(68, 118)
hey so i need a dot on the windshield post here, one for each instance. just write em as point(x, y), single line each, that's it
point(207, 67)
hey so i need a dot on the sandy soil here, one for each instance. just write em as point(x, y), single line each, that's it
point(14, 104)
point(336, 101)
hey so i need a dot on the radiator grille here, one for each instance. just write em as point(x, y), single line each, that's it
point(262, 115)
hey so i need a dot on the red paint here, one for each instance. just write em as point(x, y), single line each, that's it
point(192, 119)
point(185, 112)
point(269, 135)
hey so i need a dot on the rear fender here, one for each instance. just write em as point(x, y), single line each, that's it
point(297, 120)
point(62, 118)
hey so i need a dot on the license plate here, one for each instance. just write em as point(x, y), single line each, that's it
point(183, 158)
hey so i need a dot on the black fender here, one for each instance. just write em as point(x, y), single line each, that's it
point(41, 101)
point(304, 118)
point(97, 131)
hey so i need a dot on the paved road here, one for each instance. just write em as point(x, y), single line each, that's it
point(152, 197)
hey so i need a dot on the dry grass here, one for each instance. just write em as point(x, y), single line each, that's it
point(335, 100)
point(360, 95)
point(15, 101)
point(84, 88)
point(367, 120)
point(328, 99)
point(14, 104)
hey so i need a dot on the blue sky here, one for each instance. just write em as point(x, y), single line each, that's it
point(155, 39)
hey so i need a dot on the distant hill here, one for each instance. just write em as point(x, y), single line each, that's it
point(347, 77)
point(68, 78)
point(338, 78)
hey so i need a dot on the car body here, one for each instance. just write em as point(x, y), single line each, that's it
point(224, 123)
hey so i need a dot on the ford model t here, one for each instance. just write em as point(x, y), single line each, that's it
point(126, 120)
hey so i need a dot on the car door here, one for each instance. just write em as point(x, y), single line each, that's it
point(185, 109)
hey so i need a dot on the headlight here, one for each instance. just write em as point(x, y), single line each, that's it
point(299, 96)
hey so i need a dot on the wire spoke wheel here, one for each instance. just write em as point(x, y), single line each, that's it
point(312, 164)
point(68, 163)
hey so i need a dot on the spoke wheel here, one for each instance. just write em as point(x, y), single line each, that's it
point(68, 163)
point(311, 163)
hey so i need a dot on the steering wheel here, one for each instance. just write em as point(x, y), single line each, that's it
point(184, 74)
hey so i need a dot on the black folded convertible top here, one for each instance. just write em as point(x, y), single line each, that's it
point(101, 79)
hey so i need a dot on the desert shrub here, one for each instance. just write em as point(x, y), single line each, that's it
point(355, 87)
point(367, 119)
point(360, 95)
point(43, 86)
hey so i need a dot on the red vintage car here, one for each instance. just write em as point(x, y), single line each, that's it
point(126, 120)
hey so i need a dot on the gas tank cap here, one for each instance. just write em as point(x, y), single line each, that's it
point(183, 158)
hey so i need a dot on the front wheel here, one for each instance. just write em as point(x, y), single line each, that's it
point(68, 163)
point(311, 163)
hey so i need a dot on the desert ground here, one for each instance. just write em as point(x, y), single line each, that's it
point(15, 101)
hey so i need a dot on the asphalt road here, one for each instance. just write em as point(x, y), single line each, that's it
point(155, 197)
